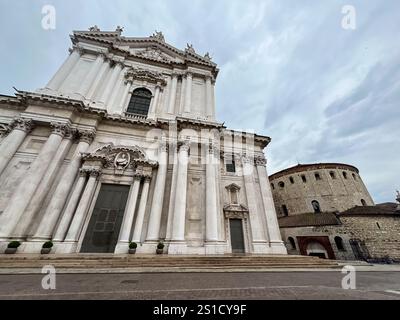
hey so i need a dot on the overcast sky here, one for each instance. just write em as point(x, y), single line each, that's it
point(287, 69)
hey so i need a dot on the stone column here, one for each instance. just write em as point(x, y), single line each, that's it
point(116, 86)
point(90, 76)
point(96, 82)
point(154, 103)
point(209, 104)
point(257, 230)
point(153, 232)
point(44, 187)
point(62, 73)
point(188, 93)
point(130, 211)
point(182, 97)
point(211, 197)
point(213, 99)
point(26, 189)
point(178, 226)
point(275, 239)
point(10, 144)
point(172, 95)
point(123, 103)
point(171, 207)
point(60, 195)
point(110, 83)
point(83, 206)
point(137, 231)
point(69, 211)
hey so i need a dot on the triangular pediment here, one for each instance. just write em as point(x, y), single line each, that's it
point(152, 48)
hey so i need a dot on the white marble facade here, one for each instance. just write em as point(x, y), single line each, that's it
point(63, 143)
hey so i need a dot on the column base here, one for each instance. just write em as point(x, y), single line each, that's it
point(278, 247)
point(122, 247)
point(65, 247)
point(31, 247)
point(261, 247)
point(177, 247)
point(215, 247)
point(148, 247)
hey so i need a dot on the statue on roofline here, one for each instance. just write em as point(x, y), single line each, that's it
point(94, 28)
point(158, 35)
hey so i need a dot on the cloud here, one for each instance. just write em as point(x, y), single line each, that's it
point(287, 69)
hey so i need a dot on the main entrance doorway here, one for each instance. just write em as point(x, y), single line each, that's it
point(237, 239)
point(105, 223)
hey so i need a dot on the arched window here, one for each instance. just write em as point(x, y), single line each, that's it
point(281, 184)
point(316, 206)
point(339, 243)
point(344, 174)
point(140, 102)
point(292, 243)
point(285, 210)
point(332, 174)
point(273, 187)
point(363, 202)
point(291, 180)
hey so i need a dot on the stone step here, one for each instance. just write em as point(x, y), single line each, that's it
point(162, 261)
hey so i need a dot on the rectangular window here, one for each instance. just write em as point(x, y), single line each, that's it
point(230, 167)
point(317, 176)
point(303, 177)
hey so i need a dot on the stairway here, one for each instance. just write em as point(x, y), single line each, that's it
point(161, 263)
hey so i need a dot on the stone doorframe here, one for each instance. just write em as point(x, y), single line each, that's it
point(237, 211)
point(303, 242)
point(119, 165)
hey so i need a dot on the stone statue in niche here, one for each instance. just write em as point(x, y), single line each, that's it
point(121, 161)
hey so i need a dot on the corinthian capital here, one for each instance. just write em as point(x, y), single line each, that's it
point(95, 172)
point(163, 147)
point(184, 145)
point(260, 161)
point(247, 159)
point(59, 128)
point(71, 133)
point(86, 135)
point(22, 124)
point(213, 149)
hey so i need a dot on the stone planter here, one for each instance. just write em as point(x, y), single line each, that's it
point(10, 250)
point(132, 251)
point(45, 250)
point(159, 251)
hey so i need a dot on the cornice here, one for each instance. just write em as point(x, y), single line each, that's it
point(24, 98)
point(104, 38)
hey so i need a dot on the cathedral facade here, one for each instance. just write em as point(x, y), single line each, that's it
point(121, 146)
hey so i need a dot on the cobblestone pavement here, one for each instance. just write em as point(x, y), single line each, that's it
point(204, 286)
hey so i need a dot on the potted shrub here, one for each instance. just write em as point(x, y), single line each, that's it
point(12, 247)
point(132, 247)
point(160, 248)
point(46, 248)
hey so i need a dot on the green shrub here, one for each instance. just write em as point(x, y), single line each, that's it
point(160, 245)
point(47, 244)
point(14, 244)
point(132, 245)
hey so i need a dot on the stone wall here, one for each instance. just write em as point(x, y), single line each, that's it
point(381, 236)
point(333, 191)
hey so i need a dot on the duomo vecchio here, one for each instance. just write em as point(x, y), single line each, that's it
point(122, 149)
